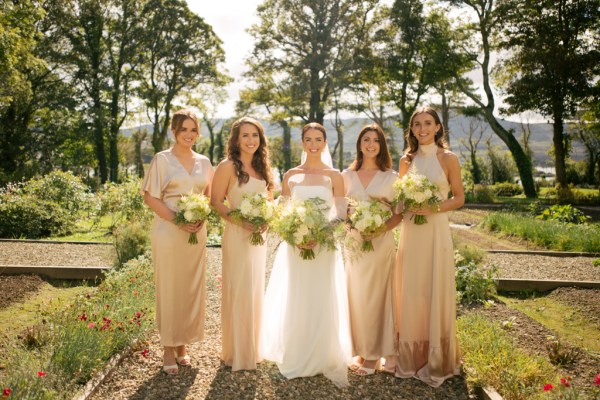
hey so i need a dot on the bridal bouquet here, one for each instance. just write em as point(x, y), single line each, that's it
point(369, 219)
point(416, 191)
point(257, 210)
point(300, 222)
point(193, 208)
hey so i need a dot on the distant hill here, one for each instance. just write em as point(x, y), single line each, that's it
point(540, 140)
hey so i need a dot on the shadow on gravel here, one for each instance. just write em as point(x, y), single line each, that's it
point(233, 385)
point(162, 386)
point(267, 383)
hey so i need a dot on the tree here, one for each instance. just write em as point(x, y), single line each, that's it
point(180, 51)
point(553, 61)
point(19, 65)
point(306, 50)
point(475, 133)
point(403, 62)
point(587, 130)
point(481, 44)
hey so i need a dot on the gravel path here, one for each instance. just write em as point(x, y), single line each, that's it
point(140, 378)
point(544, 267)
point(57, 254)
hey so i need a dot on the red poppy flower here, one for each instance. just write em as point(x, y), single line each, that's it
point(91, 325)
point(6, 392)
point(548, 387)
point(597, 380)
point(145, 353)
point(565, 382)
point(41, 373)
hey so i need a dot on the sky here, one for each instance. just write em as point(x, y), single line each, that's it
point(231, 18)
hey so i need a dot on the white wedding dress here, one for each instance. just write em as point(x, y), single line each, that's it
point(305, 327)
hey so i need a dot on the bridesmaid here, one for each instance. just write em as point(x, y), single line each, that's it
point(369, 275)
point(179, 268)
point(426, 292)
point(246, 170)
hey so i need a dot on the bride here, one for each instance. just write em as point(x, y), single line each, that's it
point(305, 327)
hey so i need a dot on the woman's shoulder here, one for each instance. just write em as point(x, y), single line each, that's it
point(226, 166)
point(448, 155)
point(201, 157)
point(348, 171)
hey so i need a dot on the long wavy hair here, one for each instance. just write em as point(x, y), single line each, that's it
point(383, 160)
point(260, 158)
point(440, 135)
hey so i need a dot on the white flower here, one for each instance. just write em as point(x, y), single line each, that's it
point(188, 215)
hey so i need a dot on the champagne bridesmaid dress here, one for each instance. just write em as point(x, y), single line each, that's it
point(370, 276)
point(426, 291)
point(243, 286)
point(179, 267)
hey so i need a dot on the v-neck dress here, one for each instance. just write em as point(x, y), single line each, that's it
point(426, 291)
point(370, 276)
point(179, 267)
point(243, 286)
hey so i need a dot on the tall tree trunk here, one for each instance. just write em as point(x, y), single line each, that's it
point(445, 113)
point(560, 150)
point(287, 145)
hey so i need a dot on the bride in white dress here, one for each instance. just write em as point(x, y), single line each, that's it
point(305, 327)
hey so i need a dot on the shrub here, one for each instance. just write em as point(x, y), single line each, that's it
point(26, 216)
point(563, 213)
point(482, 194)
point(474, 283)
point(559, 354)
point(123, 202)
point(64, 189)
point(507, 189)
point(131, 241)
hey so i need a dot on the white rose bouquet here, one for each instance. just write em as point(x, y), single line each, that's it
point(258, 211)
point(416, 191)
point(302, 222)
point(369, 219)
point(193, 208)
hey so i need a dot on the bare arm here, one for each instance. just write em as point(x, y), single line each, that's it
point(223, 175)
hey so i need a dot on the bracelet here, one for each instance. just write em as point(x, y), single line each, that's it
point(438, 208)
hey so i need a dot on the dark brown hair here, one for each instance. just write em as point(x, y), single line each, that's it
point(314, 125)
point(440, 135)
point(179, 118)
point(383, 160)
point(260, 158)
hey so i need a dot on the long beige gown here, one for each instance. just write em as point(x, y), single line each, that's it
point(370, 276)
point(179, 267)
point(426, 292)
point(243, 286)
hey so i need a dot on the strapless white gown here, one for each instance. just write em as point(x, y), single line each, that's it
point(305, 326)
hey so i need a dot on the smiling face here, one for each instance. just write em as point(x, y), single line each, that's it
point(248, 139)
point(424, 128)
point(187, 134)
point(369, 144)
point(313, 142)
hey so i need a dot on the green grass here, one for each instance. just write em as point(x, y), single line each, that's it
point(36, 308)
point(567, 322)
point(491, 358)
point(87, 231)
point(547, 234)
point(78, 334)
